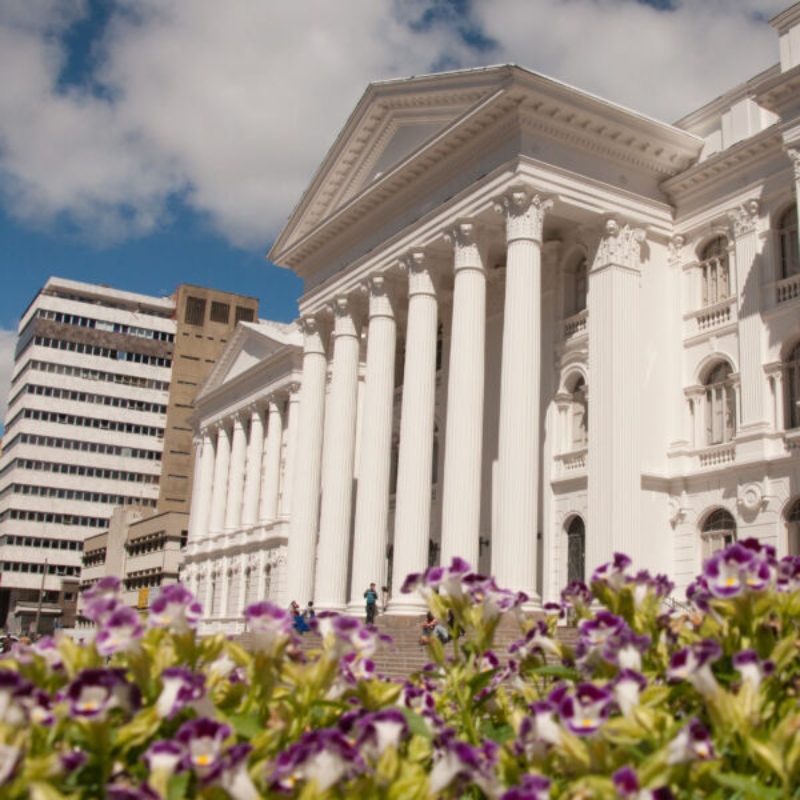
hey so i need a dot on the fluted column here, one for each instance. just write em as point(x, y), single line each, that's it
point(306, 481)
point(338, 452)
point(464, 439)
point(514, 543)
point(201, 491)
point(412, 519)
point(233, 509)
point(272, 461)
point(372, 498)
point(615, 402)
point(745, 223)
point(290, 434)
point(219, 493)
point(252, 486)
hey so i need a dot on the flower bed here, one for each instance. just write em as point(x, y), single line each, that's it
point(650, 702)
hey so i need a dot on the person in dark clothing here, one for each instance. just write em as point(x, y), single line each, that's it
point(371, 597)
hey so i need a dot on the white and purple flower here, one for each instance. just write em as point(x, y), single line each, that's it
point(693, 664)
point(120, 632)
point(180, 687)
point(692, 743)
point(532, 787)
point(203, 742)
point(585, 711)
point(269, 625)
point(175, 608)
point(96, 692)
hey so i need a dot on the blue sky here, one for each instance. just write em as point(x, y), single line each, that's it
point(145, 143)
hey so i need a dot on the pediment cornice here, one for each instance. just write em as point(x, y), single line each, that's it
point(350, 184)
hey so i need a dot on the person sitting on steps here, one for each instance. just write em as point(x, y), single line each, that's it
point(432, 627)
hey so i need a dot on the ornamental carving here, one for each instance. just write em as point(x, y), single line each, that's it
point(422, 278)
point(313, 334)
point(620, 244)
point(676, 244)
point(524, 212)
point(750, 497)
point(794, 155)
point(466, 250)
point(381, 294)
point(744, 218)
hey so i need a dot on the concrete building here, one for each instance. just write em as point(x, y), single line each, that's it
point(101, 390)
point(538, 328)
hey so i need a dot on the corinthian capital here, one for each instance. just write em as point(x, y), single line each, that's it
point(794, 155)
point(619, 244)
point(524, 211)
point(464, 236)
point(380, 291)
point(314, 333)
point(347, 315)
point(744, 218)
point(422, 276)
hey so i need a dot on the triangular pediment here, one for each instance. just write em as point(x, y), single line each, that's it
point(251, 343)
point(392, 122)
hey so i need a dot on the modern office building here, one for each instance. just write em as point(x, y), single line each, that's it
point(99, 396)
point(539, 328)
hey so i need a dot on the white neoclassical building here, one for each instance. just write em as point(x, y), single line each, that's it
point(537, 328)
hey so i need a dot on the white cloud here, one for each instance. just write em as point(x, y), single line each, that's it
point(8, 341)
point(233, 106)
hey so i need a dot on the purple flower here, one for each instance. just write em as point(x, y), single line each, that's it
point(613, 573)
point(539, 731)
point(127, 791)
point(736, 568)
point(107, 587)
point(325, 756)
point(175, 608)
point(379, 730)
point(48, 650)
point(585, 711)
point(270, 625)
point(752, 668)
point(165, 756)
point(95, 692)
point(788, 570)
point(495, 601)
point(691, 743)
point(594, 633)
point(71, 760)
point(120, 632)
point(693, 664)
point(533, 787)
point(234, 778)
point(626, 782)
point(457, 761)
point(10, 758)
point(203, 739)
point(13, 690)
point(342, 634)
point(180, 687)
point(627, 687)
point(447, 579)
point(625, 649)
point(576, 594)
point(536, 640)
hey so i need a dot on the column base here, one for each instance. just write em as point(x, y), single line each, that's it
point(533, 604)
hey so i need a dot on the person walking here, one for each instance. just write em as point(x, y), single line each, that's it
point(371, 596)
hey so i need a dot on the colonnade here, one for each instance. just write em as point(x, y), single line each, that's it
point(319, 552)
point(240, 481)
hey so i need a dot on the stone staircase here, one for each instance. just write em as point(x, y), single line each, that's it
point(405, 655)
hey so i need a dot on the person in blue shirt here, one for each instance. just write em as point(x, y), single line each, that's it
point(371, 596)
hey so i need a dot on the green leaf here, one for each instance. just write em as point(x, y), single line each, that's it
point(747, 786)
point(416, 724)
point(497, 733)
point(177, 786)
point(245, 725)
point(558, 671)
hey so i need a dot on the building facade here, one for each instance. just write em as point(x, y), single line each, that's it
point(539, 329)
point(100, 396)
point(246, 417)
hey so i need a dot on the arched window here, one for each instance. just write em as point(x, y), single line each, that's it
point(719, 531)
point(720, 405)
point(791, 379)
point(716, 276)
point(580, 415)
point(787, 234)
point(793, 528)
point(576, 550)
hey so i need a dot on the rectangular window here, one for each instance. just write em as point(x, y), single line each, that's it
point(220, 312)
point(244, 314)
point(195, 311)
